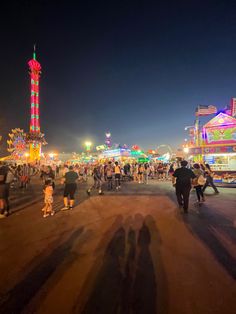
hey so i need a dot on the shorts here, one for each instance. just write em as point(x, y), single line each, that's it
point(117, 176)
point(69, 190)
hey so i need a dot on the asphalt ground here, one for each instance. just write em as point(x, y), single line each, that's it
point(131, 251)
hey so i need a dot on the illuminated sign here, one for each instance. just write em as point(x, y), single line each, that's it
point(119, 152)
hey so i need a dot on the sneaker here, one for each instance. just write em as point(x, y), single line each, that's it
point(45, 215)
point(53, 213)
point(88, 192)
point(217, 192)
point(65, 208)
point(2, 216)
point(70, 207)
point(203, 199)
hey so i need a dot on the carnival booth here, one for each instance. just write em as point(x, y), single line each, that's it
point(218, 148)
point(123, 155)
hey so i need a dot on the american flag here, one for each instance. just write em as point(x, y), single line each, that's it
point(205, 110)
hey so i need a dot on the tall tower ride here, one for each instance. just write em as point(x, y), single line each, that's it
point(35, 137)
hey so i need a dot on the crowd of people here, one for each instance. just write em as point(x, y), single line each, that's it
point(106, 176)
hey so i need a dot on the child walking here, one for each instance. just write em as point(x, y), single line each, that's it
point(48, 199)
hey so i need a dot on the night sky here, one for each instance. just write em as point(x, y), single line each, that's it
point(135, 68)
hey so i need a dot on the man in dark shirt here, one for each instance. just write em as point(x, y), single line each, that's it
point(184, 178)
point(71, 178)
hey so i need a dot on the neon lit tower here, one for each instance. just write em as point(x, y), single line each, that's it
point(108, 140)
point(35, 137)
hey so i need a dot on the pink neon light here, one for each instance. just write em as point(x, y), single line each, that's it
point(35, 69)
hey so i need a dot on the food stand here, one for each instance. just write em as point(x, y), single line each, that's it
point(217, 147)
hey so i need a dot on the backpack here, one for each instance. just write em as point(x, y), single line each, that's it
point(201, 180)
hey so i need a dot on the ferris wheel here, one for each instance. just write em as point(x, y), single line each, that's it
point(17, 143)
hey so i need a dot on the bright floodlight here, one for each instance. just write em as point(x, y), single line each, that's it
point(26, 154)
point(88, 143)
point(186, 150)
point(108, 134)
point(51, 155)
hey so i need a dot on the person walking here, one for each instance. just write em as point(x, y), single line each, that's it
point(117, 171)
point(48, 199)
point(109, 175)
point(135, 172)
point(140, 173)
point(146, 171)
point(3, 193)
point(24, 176)
point(184, 179)
point(199, 182)
point(71, 178)
point(209, 179)
point(97, 177)
point(9, 179)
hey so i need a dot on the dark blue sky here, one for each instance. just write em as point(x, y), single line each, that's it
point(136, 68)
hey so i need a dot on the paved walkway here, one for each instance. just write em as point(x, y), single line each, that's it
point(125, 252)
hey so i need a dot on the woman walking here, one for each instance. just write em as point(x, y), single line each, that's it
point(209, 179)
point(199, 182)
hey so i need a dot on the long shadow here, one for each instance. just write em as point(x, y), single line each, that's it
point(17, 298)
point(129, 276)
point(126, 281)
point(145, 287)
point(106, 295)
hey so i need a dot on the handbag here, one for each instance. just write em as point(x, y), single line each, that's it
point(201, 180)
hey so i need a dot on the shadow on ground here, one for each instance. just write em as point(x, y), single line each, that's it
point(123, 280)
point(206, 224)
point(17, 298)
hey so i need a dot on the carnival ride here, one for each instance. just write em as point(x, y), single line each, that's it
point(17, 144)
